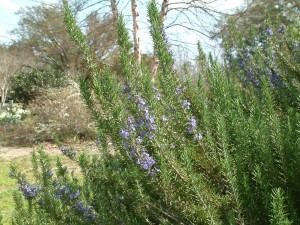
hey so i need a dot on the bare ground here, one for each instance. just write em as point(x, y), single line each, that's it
point(15, 152)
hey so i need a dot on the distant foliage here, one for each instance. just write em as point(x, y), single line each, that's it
point(61, 111)
point(27, 84)
point(222, 150)
point(273, 54)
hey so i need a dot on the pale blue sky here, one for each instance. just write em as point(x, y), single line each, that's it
point(8, 18)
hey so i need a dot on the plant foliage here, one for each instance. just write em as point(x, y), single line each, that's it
point(178, 151)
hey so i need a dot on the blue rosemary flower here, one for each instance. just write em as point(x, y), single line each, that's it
point(154, 171)
point(63, 148)
point(178, 91)
point(75, 195)
point(157, 96)
point(145, 160)
point(28, 190)
point(192, 123)
point(282, 30)
point(269, 31)
point(124, 133)
point(11, 174)
point(50, 173)
point(186, 104)
point(198, 136)
point(153, 127)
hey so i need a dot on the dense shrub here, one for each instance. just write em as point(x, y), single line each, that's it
point(57, 110)
point(183, 153)
point(61, 111)
point(28, 83)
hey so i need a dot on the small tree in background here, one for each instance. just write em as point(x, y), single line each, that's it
point(12, 60)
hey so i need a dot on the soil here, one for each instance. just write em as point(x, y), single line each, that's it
point(50, 148)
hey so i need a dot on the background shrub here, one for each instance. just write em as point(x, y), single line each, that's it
point(27, 84)
point(61, 111)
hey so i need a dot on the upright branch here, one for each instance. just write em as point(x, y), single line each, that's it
point(136, 37)
point(114, 10)
point(164, 9)
point(163, 14)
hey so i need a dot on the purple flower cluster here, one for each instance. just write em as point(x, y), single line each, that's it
point(282, 29)
point(144, 159)
point(269, 31)
point(68, 151)
point(274, 78)
point(64, 193)
point(126, 88)
point(198, 137)
point(192, 125)
point(29, 191)
point(75, 195)
point(154, 171)
point(186, 104)
point(254, 74)
point(163, 32)
point(180, 89)
point(145, 122)
point(135, 132)
point(192, 129)
point(124, 133)
point(11, 174)
point(146, 162)
point(86, 210)
point(50, 173)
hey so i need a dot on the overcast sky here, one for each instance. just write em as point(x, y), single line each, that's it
point(8, 18)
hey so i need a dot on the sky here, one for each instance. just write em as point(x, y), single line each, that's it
point(9, 19)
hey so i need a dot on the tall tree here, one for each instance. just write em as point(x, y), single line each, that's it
point(102, 37)
point(42, 31)
point(12, 59)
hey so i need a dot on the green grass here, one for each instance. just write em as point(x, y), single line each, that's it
point(7, 185)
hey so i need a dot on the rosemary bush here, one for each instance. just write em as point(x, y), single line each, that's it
point(175, 151)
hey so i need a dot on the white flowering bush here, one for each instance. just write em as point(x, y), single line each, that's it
point(61, 111)
point(12, 116)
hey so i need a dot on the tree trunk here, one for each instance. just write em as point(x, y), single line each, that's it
point(164, 10)
point(136, 38)
point(3, 96)
point(163, 14)
point(114, 10)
